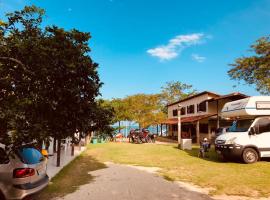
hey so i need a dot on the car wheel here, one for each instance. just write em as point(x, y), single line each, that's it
point(250, 156)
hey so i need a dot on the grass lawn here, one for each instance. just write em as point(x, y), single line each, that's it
point(225, 177)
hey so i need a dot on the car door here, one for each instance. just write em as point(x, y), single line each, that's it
point(262, 128)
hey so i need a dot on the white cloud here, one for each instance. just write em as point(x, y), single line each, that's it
point(175, 46)
point(198, 58)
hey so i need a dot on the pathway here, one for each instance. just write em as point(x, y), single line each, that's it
point(120, 182)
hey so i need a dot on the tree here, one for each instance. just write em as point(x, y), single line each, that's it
point(104, 118)
point(121, 111)
point(19, 39)
point(144, 109)
point(174, 91)
point(53, 93)
point(255, 69)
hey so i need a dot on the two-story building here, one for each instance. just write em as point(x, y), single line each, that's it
point(200, 115)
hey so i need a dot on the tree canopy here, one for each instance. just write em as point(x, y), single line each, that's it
point(175, 90)
point(150, 109)
point(145, 109)
point(48, 81)
point(255, 69)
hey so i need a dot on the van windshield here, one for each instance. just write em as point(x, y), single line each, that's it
point(241, 125)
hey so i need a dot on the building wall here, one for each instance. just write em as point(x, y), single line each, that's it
point(211, 109)
point(212, 106)
point(209, 123)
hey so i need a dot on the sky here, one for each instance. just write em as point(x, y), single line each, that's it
point(142, 44)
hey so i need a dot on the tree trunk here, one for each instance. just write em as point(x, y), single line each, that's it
point(54, 145)
point(58, 152)
point(161, 130)
point(157, 129)
point(47, 144)
point(119, 127)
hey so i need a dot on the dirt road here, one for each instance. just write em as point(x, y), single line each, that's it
point(120, 182)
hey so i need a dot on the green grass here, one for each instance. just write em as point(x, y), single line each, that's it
point(224, 177)
point(71, 177)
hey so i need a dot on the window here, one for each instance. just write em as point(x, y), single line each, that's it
point(174, 113)
point(30, 155)
point(190, 109)
point(183, 110)
point(262, 125)
point(3, 157)
point(201, 107)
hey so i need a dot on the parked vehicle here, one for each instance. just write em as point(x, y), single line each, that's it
point(141, 136)
point(22, 172)
point(218, 132)
point(248, 137)
point(221, 130)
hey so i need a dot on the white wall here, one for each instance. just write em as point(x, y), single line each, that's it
point(193, 101)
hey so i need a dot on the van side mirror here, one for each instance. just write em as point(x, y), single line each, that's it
point(252, 131)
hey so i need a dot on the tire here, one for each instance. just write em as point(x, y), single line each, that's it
point(250, 156)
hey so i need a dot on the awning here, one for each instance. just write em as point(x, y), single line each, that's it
point(187, 119)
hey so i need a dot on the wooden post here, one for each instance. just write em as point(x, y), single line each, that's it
point(198, 132)
point(72, 149)
point(80, 141)
point(209, 131)
point(179, 128)
point(58, 153)
point(119, 127)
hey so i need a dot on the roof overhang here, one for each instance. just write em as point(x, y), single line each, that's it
point(187, 119)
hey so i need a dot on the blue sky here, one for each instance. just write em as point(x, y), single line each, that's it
point(142, 44)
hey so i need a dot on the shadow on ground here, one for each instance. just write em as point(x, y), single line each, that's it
point(214, 157)
point(210, 156)
point(70, 178)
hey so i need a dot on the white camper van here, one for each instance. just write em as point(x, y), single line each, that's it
point(248, 138)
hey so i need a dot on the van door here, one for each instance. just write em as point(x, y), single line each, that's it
point(262, 127)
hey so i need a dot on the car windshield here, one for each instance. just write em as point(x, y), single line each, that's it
point(241, 125)
point(30, 155)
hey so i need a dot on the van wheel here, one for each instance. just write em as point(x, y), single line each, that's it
point(250, 156)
